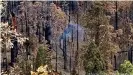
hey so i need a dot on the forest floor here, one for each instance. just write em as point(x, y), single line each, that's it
point(60, 58)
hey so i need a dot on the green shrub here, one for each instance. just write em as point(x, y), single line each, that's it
point(126, 68)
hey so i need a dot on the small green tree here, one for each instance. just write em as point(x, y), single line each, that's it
point(93, 61)
point(42, 56)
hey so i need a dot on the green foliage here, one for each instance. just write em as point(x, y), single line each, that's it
point(116, 72)
point(95, 16)
point(93, 61)
point(42, 56)
point(126, 67)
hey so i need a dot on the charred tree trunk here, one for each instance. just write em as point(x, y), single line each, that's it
point(39, 34)
point(65, 53)
point(97, 36)
point(116, 18)
point(130, 55)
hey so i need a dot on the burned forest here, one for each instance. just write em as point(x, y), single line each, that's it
point(66, 37)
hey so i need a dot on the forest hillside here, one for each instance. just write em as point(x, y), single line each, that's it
point(66, 37)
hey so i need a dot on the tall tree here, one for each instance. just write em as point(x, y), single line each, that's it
point(100, 33)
